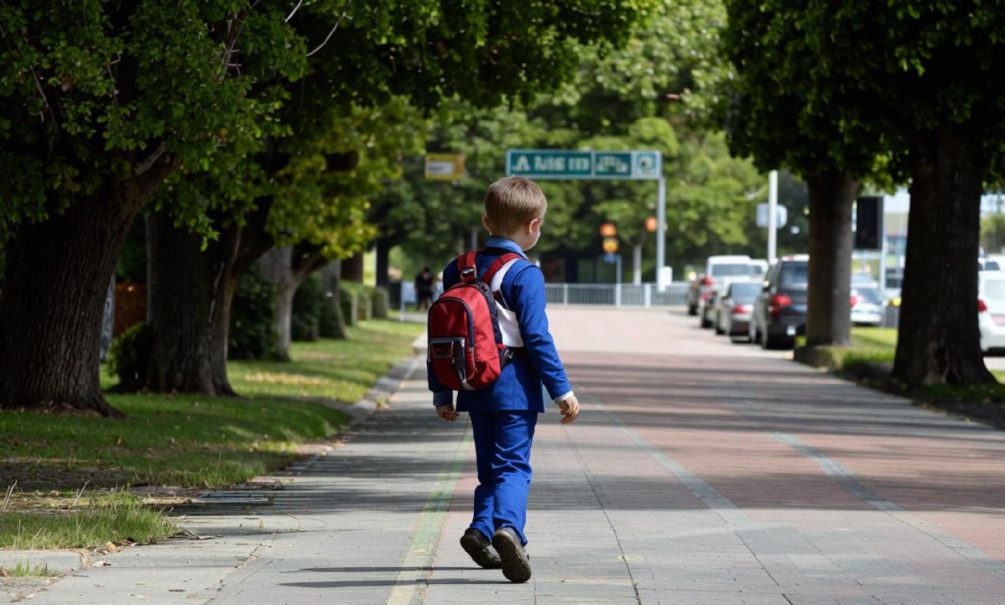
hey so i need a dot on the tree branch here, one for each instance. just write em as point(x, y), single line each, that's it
point(345, 9)
point(148, 163)
point(295, 9)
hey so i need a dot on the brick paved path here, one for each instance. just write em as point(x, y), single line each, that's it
point(699, 472)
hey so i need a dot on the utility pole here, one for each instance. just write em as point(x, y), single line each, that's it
point(772, 215)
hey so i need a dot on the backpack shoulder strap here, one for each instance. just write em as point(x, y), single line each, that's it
point(498, 264)
point(466, 267)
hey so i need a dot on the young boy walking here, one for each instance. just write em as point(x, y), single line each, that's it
point(504, 414)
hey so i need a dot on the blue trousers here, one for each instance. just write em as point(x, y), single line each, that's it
point(502, 449)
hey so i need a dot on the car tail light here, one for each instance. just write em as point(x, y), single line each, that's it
point(707, 281)
point(778, 302)
point(741, 309)
point(981, 307)
point(853, 301)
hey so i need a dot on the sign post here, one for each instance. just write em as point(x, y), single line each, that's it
point(636, 165)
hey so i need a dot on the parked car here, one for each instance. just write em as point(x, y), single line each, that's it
point(735, 306)
point(717, 270)
point(706, 309)
point(780, 309)
point(987, 264)
point(991, 309)
point(866, 305)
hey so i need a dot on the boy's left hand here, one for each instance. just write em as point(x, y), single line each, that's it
point(447, 412)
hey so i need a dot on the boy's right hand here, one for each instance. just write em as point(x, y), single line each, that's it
point(447, 412)
point(569, 408)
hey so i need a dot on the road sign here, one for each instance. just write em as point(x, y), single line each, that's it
point(444, 166)
point(781, 215)
point(568, 164)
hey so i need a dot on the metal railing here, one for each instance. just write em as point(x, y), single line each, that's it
point(617, 295)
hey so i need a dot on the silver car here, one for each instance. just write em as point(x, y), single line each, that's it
point(732, 316)
point(866, 306)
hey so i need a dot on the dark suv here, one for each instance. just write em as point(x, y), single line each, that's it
point(780, 309)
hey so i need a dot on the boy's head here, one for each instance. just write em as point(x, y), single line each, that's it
point(514, 208)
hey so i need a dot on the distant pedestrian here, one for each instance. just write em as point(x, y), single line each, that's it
point(504, 414)
point(424, 281)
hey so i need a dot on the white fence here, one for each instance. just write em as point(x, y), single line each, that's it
point(613, 295)
point(617, 295)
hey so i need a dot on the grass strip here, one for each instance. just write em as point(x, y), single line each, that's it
point(25, 569)
point(117, 519)
point(183, 441)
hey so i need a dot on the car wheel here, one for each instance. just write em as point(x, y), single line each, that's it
point(718, 326)
point(705, 323)
point(692, 310)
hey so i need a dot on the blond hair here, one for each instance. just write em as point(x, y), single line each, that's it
point(512, 202)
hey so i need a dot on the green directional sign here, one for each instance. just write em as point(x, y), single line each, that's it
point(567, 164)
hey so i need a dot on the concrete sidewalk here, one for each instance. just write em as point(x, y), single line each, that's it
point(699, 472)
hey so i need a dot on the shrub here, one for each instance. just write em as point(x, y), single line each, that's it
point(348, 303)
point(129, 356)
point(252, 319)
point(363, 303)
point(332, 320)
point(381, 303)
point(307, 303)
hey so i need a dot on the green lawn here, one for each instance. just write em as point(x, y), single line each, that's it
point(881, 338)
point(195, 441)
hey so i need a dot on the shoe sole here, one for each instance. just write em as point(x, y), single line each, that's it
point(471, 546)
point(515, 567)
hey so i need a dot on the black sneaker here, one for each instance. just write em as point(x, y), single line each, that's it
point(515, 562)
point(478, 546)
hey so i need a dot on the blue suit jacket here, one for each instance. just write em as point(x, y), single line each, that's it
point(519, 385)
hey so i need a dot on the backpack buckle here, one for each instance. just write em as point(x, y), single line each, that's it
point(468, 274)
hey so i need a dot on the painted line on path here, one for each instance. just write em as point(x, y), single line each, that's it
point(417, 568)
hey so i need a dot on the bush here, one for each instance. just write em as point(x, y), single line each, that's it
point(332, 321)
point(381, 303)
point(252, 319)
point(348, 303)
point(363, 303)
point(129, 356)
point(307, 303)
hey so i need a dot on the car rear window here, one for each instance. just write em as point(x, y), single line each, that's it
point(869, 295)
point(745, 293)
point(994, 289)
point(731, 270)
point(793, 275)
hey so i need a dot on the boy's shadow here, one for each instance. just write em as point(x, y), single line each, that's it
point(389, 582)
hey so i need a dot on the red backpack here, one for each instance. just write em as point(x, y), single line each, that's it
point(466, 352)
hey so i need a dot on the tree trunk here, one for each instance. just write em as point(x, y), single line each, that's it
point(352, 268)
point(938, 341)
point(383, 261)
point(828, 320)
point(287, 268)
point(190, 291)
point(277, 267)
point(191, 302)
point(54, 298)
